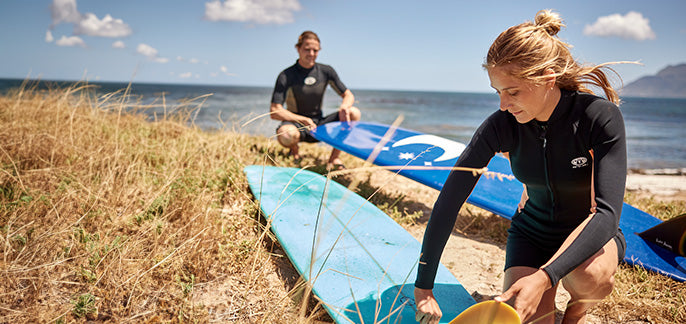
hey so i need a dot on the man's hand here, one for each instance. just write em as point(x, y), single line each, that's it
point(307, 122)
point(428, 311)
point(344, 113)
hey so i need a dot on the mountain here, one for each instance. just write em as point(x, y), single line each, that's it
point(670, 82)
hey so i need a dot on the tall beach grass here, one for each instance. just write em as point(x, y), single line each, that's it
point(109, 215)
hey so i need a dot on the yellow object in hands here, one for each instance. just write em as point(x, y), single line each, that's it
point(488, 312)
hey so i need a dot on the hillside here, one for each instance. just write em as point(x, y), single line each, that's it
point(670, 82)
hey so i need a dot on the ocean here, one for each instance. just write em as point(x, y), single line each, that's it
point(655, 127)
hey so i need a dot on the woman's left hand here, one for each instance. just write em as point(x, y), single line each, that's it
point(527, 292)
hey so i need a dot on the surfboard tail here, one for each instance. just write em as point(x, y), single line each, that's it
point(670, 235)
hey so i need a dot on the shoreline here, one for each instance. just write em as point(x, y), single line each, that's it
point(668, 186)
point(658, 171)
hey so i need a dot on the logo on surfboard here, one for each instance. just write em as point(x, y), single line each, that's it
point(451, 149)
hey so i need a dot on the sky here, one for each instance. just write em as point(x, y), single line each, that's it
point(385, 45)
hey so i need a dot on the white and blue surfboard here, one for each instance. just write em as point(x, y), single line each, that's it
point(499, 196)
point(407, 148)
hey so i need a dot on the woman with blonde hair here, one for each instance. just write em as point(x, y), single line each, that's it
point(568, 147)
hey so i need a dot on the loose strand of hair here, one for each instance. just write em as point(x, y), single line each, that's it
point(597, 76)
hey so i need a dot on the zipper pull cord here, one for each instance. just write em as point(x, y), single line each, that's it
point(544, 129)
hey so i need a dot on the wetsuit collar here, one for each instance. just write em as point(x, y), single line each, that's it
point(563, 106)
point(302, 68)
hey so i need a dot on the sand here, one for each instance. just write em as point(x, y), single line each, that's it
point(669, 187)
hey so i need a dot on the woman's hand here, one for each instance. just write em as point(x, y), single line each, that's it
point(527, 292)
point(428, 311)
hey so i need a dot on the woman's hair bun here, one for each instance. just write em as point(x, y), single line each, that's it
point(550, 21)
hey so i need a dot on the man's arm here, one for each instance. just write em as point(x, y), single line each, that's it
point(346, 105)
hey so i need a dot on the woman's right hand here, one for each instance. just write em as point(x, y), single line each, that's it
point(428, 311)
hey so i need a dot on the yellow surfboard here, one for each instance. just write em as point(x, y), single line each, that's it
point(488, 312)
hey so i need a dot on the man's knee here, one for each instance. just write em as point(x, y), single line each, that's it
point(355, 113)
point(288, 135)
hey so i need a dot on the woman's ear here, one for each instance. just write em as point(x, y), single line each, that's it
point(550, 78)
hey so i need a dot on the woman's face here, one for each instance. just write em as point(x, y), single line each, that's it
point(308, 51)
point(524, 99)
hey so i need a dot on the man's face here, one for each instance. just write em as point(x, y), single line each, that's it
point(308, 53)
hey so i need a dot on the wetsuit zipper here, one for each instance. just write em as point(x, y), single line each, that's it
point(544, 130)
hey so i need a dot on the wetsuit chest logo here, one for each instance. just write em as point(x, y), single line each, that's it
point(310, 80)
point(579, 162)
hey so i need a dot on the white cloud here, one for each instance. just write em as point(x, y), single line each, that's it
point(185, 75)
point(48, 36)
point(146, 50)
point(151, 53)
point(630, 26)
point(259, 11)
point(64, 11)
point(191, 60)
point(118, 44)
point(70, 41)
point(107, 27)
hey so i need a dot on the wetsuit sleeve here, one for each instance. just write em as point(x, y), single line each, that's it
point(280, 88)
point(455, 191)
point(608, 142)
point(334, 81)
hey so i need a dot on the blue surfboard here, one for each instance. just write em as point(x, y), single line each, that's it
point(359, 262)
point(407, 147)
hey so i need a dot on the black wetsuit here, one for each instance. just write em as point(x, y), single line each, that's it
point(303, 91)
point(554, 161)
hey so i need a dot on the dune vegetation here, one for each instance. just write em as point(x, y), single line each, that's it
point(110, 215)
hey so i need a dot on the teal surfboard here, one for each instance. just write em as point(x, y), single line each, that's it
point(650, 242)
point(359, 262)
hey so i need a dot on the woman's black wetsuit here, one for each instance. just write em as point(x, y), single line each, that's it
point(555, 162)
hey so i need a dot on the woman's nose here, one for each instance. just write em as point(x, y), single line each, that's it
point(504, 104)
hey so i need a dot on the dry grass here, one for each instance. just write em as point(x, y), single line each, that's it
point(642, 296)
point(105, 216)
point(108, 217)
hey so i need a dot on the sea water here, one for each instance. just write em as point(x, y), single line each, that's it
point(655, 127)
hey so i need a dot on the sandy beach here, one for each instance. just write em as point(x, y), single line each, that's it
point(669, 187)
point(153, 222)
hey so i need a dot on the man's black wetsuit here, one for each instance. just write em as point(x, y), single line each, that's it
point(554, 161)
point(303, 91)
